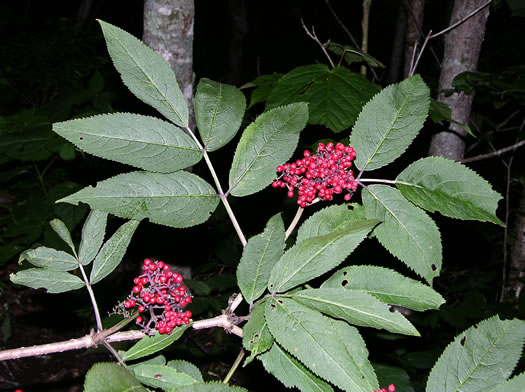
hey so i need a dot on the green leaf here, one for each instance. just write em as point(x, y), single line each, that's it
point(93, 233)
point(438, 184)
point(266, 143)
point(187, 368)
point(291, 372)
point(63, 232)
point(386, 285)
point(335, 96)
point(312, 257)
point(407, 231)
point(389, 122)
point(112, 252)
point(264, 85)
point(259, 256)
point(356, 308)
point(141, 141)
point(329, 220)
point(111, 377)
point(515, 384)
point(146, 74)
point(393, 375)
point(209, 387)
point(353, 55)
point(179, 199)
point(151, 344)
point(54, 281)
point(480, 358)
point(162, 376)
point(331, 349)
point(49, 258)
point(256, 335)
point(219, 109)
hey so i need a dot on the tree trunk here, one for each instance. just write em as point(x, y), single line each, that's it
point(462, 47)
point(513, 285)
point(398, 43)
point(168, 29)
point(415, 11)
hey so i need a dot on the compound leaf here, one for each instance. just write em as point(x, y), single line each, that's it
point(266, 143)
point(146, 74)
point(389, 122)
point(480, 358)
point(407, 231)
point(93, 233)
point(54, 281)
point(140, 141)
point(331, 349)
point(259, 256)
point(386, 285)
point(49, 258)
point(219, 109)
point(179, 199)
point(112, 252)
point(438, 184)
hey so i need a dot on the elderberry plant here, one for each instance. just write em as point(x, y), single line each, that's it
point(306, 335)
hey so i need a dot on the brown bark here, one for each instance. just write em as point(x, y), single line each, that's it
point(168, 29)
point(462, 47)
point(415, 11)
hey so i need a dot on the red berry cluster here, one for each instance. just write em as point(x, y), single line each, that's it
point(320, 175)
point(391, 388)
point(159, 293)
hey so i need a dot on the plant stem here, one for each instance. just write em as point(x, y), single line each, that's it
point(296, 219)
point(92, 297)
point(222, 195)
point(381, 181)
point(234, 367)
point(364, 25)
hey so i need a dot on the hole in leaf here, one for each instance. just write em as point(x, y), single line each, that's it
point(280, 301)
point(462, 341)
point(434, 268)
point(81, 138)
point(345, 273)
point(252, 341)
point(392, 309)
point(344, 283)
point(273, 306)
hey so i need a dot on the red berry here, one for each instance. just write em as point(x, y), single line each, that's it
point(139, 319)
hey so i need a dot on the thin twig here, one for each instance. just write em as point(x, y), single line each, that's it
point(234, 367)
point(314, 37)
point(364, 26)
point(494, 153)
point(462, 20)
point(296, 219)
point(222, 321)
point(91, 297)
point(413, 69)
point(341, 24)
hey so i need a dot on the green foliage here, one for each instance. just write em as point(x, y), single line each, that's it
point(389, 122)
point(335, 96)
point(331, 349)
point(353, 55)
point(209, 387)
point(178, 199)
point(151, 344)
point(511, 385)
point(479, 358)
point(93, 233)
point(53, 281)
point(437, 184)
point(63, 232)
point(141, 141)
point(256, 335)
point(407, 231)
point(51, 259)
point(219, 109)
point(161, 376)
point(386, 285)
point(259, 256)
point(111, 377)
point(266, 143)
point(146, 74)
point(393, 375)
point(187, 368)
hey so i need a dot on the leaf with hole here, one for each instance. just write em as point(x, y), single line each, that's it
point(179, 199)
point(146, 74)
point(162, 376)
point(256, 335)
point(140, 141)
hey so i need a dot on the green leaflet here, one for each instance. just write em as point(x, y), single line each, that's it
point(209, 387)
point(515, 384)
point(111, 377)
point(161, 376)
point(146, 74)
point(389, 122)
point(63, 232)
point(329, 220)
point(256, 335)
point(53, 281)
point(179, 199)
point(291, 372)
point(49, 258)
point(438, 184)
point(266, 143)
point(219, 109)
point(187, 368)
point(335, 96)
point(313, 257)
point(356, 308)
point(93, 233)
point(407, 231)
point(331, 349)
point(259, 256)
point(140, 141)
point(112, 252)
point(480, 358)
point(151, 344)
point(264, 85)
point(386, 285)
